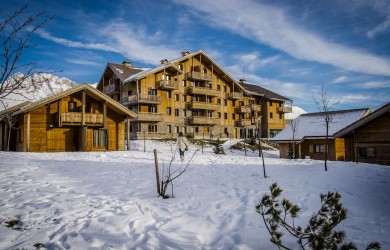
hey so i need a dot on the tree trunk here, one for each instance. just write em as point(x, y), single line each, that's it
point(326, 146)
point(9, 137)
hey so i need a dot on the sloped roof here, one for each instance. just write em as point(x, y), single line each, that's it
point(256, 89)
point(144, 73)
point(122, 71)
point(27, 106)
point(375, 114)
point(12, 109)
point(312, 125)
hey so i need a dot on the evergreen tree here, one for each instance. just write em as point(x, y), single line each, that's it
point(218, 147)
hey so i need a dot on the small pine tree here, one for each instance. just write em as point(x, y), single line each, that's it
point(319, 234)
point(218, 147)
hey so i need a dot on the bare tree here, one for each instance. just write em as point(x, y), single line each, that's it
point(11, 122)
point(16, 31)
point(326, 105)
point(294, 128)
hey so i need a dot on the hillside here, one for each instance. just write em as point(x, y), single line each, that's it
point(36, 87)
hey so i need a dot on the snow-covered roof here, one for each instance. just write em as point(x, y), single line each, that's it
point(313, 124)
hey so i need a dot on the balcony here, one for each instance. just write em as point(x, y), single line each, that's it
point(204, 105)
point(244, 122)
point(111, 89)
point(146, 99)
point(285, 109)
point(248, 108)
point(75, 118)
point(204, 120)
point(148, 117)
point(235, 95)
point(202, 91)
point(167, 84)
point(194, 75)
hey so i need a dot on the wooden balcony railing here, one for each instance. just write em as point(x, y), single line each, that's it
point(285, 109)
point(167, 84)
point(204, 120)
point(110, 89)
point(235, 95)
point(142, 98)
point(148, 116)
point(244, 122)
point(248, 108)
point(204, 105)
point(193, 90)
point(76, 118)
point(199, 76)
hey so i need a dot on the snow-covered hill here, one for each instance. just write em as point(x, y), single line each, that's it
point(37, 86)
point(296, 111)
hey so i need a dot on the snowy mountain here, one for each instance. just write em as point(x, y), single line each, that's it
point(296, 111)
point(36, 87)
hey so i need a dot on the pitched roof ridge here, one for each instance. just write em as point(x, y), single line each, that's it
point(335, 111)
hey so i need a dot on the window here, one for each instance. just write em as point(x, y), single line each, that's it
point(169, 129)
point(280, 116)
point(87, 108)
point(365, 152)
point(130, 92)
point(219, 114)
point(100, 138)
point(183, 98)
point(205, 71)
point(270, 103)
point(168, 95)
point(233, 103)
point(183, 83)
point(181, 66)
point(271, 115)
point(177, 129)
point(233, 116)
point(209, 86)
point(72, 107)
point(153, 109)
point(209, 113)
point(176, 97)
point(224, 89)
point(176, 112)
point(319, 148)
point(225, 102)
point(152, 128)
point(184, 113)
point(225, 115)
point(219, 101)
point(208, 100)
point(218, 87)
point(152, 91)
point(169, 111)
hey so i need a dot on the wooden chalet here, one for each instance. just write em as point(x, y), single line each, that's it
point(368, 139)
point(191, 94)
point(78, 119)
point(309, 138)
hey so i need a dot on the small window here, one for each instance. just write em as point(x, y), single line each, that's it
point(72, 107)
point(270, 103)
point(177, 112)
point(184, 113)
point(176, 97)
point(181, 66)
point(218, 87)
point(177, 129)
point(233, 116)
point(219, 101)
point(168, 95)
point(130, 92)
point(224, 89)
point(271, 115)
point(153, 109)
point(225, 102)
point(280, 116)
point(366, 152)
point(183, 98)
point(100, 138)
point(169, 129)
point(319, 148)
point(169, 111)
point(225, 115)
point(152, 128)
point(152, 91)
point(219, 114)
point(183, 83)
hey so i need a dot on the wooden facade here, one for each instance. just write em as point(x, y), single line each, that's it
point(191, 94)
point(368, 140)
point(80, 119)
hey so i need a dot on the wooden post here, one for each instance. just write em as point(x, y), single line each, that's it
point(128, 133)
point(157, 172)
point(28, 133)
point(60, 113)
point(105, 114)
point(300, 150)
point(144, 142)
point(83, 109)
point(83, 138)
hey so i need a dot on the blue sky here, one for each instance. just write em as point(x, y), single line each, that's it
point(290, 47)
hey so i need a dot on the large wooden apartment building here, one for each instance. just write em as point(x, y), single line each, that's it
point(193, 95)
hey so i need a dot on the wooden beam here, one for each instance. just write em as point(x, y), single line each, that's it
point(28, 133)
point(105, 114)
point(59, 113)
point(83, 138)
point(128, 132)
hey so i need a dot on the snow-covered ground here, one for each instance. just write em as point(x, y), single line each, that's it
point(108, 200)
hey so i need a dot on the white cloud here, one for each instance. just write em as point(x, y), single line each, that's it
point(269, 25)
point(82, 62)
point(74, 44)
point(340, 79)
point(373, 85)
point(253, 61)
point(381, 28)
point(355, 99)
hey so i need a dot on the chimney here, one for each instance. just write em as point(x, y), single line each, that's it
point(242, 80)
point(185, 53)
point(127, 64)
point(164, 61)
